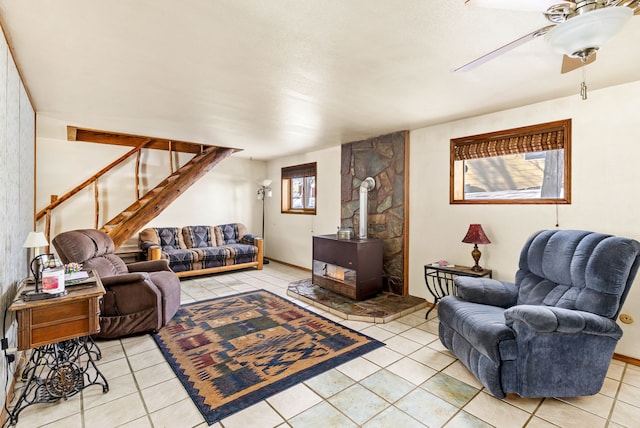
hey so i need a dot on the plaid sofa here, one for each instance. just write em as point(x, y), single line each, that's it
point(196, 250)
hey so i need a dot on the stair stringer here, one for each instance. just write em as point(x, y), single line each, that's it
point(123, 226)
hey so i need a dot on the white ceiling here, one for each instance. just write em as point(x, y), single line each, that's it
point(276, 77)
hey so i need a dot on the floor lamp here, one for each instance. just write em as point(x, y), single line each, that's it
point(264, 191)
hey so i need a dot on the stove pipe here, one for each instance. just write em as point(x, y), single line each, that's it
point(368, 184)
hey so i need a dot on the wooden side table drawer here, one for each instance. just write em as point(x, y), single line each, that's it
point(41, 335)
point(55, 321)
point(59, 313)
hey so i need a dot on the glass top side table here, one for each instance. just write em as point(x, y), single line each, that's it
point(439, 280)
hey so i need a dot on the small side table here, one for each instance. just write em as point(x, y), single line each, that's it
point(439, 280)
point(58, 332)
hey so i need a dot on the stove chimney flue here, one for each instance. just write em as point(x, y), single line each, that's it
point(368, 184)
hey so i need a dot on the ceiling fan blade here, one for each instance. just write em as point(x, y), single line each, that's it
point(506, 48)
point(571, 63)
point(528, 5)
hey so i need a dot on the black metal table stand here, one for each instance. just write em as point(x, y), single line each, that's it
point(58, 371)
point(440, 280)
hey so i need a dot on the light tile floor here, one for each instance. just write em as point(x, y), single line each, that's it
point(412, 382)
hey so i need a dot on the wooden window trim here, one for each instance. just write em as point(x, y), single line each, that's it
point(544, 136)
point(297, 171)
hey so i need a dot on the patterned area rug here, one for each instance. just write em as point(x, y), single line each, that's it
point(234, 351)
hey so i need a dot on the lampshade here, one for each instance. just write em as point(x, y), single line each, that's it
point(475, 235)
point(35, 240)
point(587, 32)
point(265, 189)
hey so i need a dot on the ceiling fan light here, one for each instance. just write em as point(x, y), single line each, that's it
point(588, 31)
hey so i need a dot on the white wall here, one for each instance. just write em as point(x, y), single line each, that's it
point(288, 237)
point(226, 194)
point(605, 176)
point(17, 133)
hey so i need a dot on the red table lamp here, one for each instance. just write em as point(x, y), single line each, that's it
point(475, 235)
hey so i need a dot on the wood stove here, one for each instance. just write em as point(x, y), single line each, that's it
point(350, 267)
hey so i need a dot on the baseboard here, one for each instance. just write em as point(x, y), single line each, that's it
point(288, 264)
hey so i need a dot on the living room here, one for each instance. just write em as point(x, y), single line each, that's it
point(603, 174)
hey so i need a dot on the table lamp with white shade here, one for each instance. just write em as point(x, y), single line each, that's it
point(35, 241)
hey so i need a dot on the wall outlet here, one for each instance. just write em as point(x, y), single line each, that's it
point(626, 318)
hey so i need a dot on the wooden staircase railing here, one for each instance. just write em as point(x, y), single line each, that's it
point(145, 208)
point(56, 201)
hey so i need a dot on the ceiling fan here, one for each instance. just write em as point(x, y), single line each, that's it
point(577, 28)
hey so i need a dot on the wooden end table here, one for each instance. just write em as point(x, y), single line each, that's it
point(57, 330)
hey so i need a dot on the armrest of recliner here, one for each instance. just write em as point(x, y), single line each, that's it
point(128, 278)
point(549, 319)
point(149, 266)
point(130, 299)
point(487, 291)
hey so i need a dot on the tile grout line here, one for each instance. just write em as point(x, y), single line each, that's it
point(615, 398)
point(138, 389)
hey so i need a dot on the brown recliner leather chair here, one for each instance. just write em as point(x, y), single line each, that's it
point(139, 297)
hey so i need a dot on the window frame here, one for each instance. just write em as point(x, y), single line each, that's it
point(302, 171)
point(480, 145)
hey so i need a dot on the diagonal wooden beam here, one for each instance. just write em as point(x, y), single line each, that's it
point(120, 139)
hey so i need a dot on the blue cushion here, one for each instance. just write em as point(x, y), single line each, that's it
point(575, 269)
point(168, 237)
point(212, 253)
point(242, 253)
point(229, 233)
point(483, 326)
point(197, 236)
point(180, 260)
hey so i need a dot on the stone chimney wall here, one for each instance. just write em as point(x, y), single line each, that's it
point(384, 158)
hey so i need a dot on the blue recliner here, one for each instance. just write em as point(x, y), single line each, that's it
point(553, 332)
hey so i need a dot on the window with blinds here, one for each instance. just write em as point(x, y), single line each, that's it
point(523, 165)
point(299, 189)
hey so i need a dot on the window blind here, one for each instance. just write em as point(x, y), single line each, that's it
point(543, 138)
point(297, 171)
